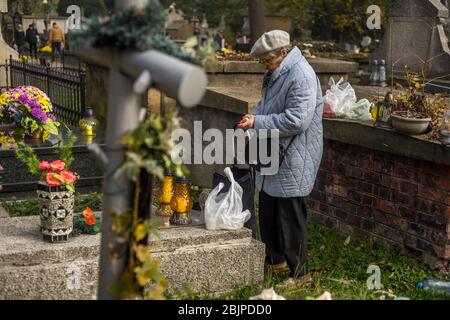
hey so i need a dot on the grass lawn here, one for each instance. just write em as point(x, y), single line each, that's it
point(339, 265)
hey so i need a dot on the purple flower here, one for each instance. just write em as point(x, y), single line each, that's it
point(33, 104)
point(24, 99)
point(39, 114)
point(52, 117)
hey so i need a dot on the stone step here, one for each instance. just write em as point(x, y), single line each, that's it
point(206, 261)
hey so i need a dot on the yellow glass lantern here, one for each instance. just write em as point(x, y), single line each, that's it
point(164, 195)
point(181, 202)
point(88, 123)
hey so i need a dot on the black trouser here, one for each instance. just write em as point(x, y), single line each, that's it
point(33, 49)
point(283, 225)
point(56, 47)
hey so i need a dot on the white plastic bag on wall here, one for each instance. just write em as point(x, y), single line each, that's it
point(224, 211)
point(340, 97)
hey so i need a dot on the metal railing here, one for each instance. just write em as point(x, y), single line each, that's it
point(66, 88)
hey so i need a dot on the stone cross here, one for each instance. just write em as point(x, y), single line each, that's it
point(131, 74)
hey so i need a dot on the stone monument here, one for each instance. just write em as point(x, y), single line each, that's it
point(416, 36)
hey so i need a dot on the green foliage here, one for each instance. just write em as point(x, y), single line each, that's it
point(149, 147)
point(142, 277)
point(131, 29)
point(205, 55)
point(26, 154)
point(341, 20)
point(65, 147)
point(30, 207)
point(23, 208)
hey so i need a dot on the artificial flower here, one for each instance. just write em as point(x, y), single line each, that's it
point(45, 165)
point(57, 165)
point(88, 216)
point(67, 177)
point(52, 179)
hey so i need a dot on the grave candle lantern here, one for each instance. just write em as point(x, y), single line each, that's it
point(165, 194)
point(181, 202)
point(88, 123)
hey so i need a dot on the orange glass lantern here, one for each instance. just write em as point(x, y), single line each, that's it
point(164, 195)
point(181, 202)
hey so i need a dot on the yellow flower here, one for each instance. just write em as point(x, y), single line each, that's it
point(46, 49)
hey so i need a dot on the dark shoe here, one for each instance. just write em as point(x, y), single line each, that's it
point(276, 268)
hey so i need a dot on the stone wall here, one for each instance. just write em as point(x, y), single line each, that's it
point(250, 73)
point(400, 200)
point(5, 53)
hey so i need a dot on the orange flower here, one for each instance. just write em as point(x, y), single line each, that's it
point(53, 179)
point(90, 221)
point(68, 177)
point(88, 216)
point(57, 165)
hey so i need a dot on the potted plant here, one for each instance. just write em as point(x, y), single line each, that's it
point(30, 110)
point(413, 111)
point(55, 189)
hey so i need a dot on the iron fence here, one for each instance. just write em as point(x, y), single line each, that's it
point(65, 87)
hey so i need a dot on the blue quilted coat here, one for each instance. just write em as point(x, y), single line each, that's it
point(292, 103)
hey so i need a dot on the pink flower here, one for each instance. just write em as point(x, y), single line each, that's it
point(68, 177)
point(57, 165)
point(53, 179)
point(45, 165)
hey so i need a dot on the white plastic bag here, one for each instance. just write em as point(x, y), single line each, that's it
point(360, 111)
point(224, 211)
point(268, 294)
point(340, 97)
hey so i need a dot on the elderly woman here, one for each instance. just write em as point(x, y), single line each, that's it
point(292, 104)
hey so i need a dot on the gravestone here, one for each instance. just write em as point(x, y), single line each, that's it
point(416, 36)
point(176, 26)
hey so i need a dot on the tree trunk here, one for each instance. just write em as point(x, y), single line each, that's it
point(257, 19)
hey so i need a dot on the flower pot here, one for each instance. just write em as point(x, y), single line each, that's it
point(410, 126)
point(56, 212)
point(38, 135)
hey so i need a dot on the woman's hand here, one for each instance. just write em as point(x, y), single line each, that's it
point(247, 122)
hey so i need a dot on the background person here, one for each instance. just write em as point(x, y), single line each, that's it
point(56, 39)
point(32, 39)
point(19, 39)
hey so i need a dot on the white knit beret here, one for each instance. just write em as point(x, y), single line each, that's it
point(270, 41)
